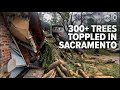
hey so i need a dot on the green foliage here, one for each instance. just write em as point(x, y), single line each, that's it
point(46, 58)
point(49, 54)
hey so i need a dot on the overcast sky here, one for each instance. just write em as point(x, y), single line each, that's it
point(48, 17)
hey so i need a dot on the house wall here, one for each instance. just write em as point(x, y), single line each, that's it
point(5, 54)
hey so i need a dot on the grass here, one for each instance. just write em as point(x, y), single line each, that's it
point(101, 52)
point(70, 66)
point(106, 69)
point(110, 69)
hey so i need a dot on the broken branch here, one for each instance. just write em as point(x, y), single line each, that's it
point(83, 73)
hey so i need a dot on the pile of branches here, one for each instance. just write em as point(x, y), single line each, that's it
point(58, 70)
point(57, 67)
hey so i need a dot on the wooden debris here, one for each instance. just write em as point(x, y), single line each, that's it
point(103, 77)
point(34, 73)
point(74, 74)
point(77, 64)
point(71, 72)
point(73, 77)
point(53, 74)
point(48, 74)
point(99, 74)
point(109, 61)
point(55, 64)
point(83, 74)
point(63, 69)
point(60, 72)
point(90, 61)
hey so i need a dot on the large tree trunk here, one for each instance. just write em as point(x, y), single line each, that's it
point(36, 28)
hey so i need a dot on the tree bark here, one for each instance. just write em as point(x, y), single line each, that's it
point(63, 69)
point(60, 72)
point(55, 64)
point(48, 74)
point(83, 73)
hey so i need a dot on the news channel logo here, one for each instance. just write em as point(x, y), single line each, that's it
point(112, 17)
